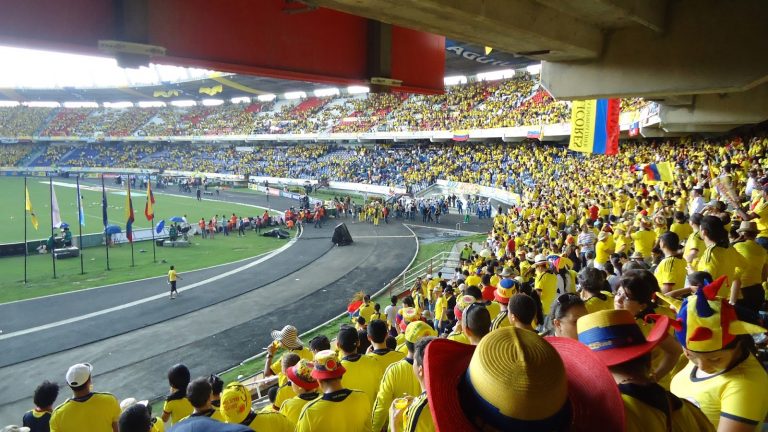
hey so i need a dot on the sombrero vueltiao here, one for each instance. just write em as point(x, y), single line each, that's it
point(512, 381)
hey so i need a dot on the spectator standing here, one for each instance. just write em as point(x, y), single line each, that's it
point(37, 420)
point(86, 410)
point(339, 409)
point(177, 405)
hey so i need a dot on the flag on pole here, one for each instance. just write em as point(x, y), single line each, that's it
point(659, 172)
point(32, 215)
point(595, 126)
point(55, 213)
point(149, 212)
point(129, 214)
point(104, 218)
point(80, 212)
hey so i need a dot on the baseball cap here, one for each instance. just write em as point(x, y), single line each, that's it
point(78, 374)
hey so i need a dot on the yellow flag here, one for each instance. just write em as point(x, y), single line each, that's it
point(32, 214)
point(210, 91)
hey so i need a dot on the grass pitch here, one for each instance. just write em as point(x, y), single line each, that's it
point(202, 253)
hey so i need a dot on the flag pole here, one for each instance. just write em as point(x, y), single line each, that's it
point(80, 218)
point(104, 212)
point(152, 222)
point(130, 204)
point(25, 230)
point(53, 237)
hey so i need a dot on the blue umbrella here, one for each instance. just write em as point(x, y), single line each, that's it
point(177, 219)
point(160, 226)
point(113, 229)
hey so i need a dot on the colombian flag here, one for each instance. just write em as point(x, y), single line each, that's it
point(149, 211)
point(129, 213)
point(460, 135)
point(661, 171)
point(595, 126)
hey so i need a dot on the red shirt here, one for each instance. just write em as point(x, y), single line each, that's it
point(593, 212)
point(511, 245)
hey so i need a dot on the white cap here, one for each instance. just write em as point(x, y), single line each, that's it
point(78, 374)
point(14, 428)
point(129, 402)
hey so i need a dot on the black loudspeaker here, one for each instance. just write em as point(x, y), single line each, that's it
point(341, 236)
point(277, 233)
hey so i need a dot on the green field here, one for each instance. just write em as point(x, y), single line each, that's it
point(12, 209)
point(203, 253)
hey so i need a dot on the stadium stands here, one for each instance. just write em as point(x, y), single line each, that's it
point(518, 101)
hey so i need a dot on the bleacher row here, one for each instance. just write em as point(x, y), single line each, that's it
point(514, 102)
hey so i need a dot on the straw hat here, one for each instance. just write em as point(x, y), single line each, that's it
point(585, 374)
point(602, 236)
point(530, 257)
point(540, 259)
point(235, 402)
point(747, 227)
point(288, 336)
point(505, 289)
point(507, 272)
point(637, 255)
point(615, 337)
point(512, 381)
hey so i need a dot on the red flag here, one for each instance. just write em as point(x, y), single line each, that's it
point(149, 212)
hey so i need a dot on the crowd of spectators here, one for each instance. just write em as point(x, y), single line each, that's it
point(651, 289)
point(12, 154)
point(113, 122)
point(518, 101)
point(23, 121)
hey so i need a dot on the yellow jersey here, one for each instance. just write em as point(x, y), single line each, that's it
point(293, 406)
point(386, 357)
point(671, 270)
point(719, 261)
point(363, 373)
point(341, 411)
point(596, 304)
point(268, 421)
point(737, 393)
point(547, 283)
point(756, 257)
point(417, 417)
point(646, 408)
point(398, 380)
point(683, 230)
point(644, 241)
point(96, 412)
point(178, 406)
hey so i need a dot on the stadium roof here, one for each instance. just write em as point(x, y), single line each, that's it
point(462, 59)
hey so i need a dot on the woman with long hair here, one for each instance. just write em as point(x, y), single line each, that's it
point(720, 258)
point(636, 294)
